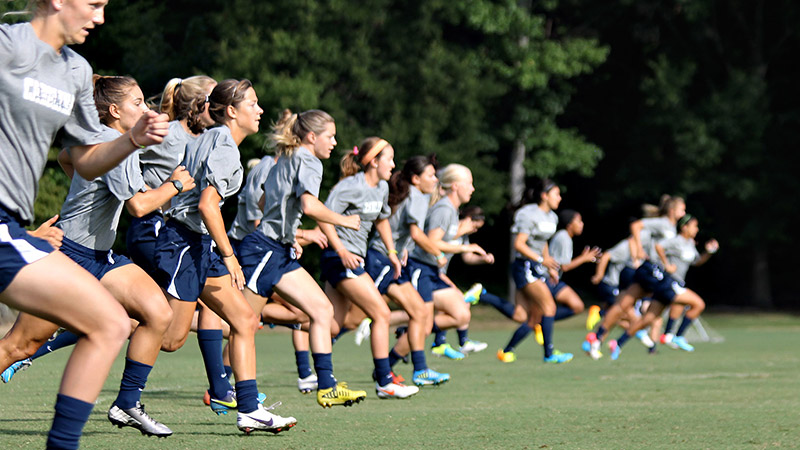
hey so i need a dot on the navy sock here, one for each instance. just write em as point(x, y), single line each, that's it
point(623, 339)
point(71, 415)
point(210, 342)
point(684, 325)
point(562, 312)
point(600, 332)
point(229, 373)
point(134, 378)
point(418, 359)
point(394, 357)
point(547, 332)
point(670, 324)
point(463, 336)
point(506, 308)
point(440, 337)
point(400, 331)
point(303, 365)
point(247, 395)
point(323, 365)
point(522, 332)
point(383, 373)
point(64, 339)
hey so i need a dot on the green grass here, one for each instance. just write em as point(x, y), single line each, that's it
point(743, 393)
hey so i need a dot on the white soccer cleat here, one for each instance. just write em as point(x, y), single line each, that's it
point(395, 390)
point(644, 338)
point(308, 384)
point(471, 346)
point(136, 417)
point(363, 331)
point(594, 350)
point(263, 420)
point(667, 339)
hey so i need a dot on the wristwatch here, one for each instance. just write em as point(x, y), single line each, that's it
point(178, 185)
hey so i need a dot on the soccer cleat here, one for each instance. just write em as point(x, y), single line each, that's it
point(363, 331)
point(644, 338)
point(395, 390)
point(473, 294)
point(471, 346)
point(594, 346)
point(223, 405)
point(207, 398)
point(398, 379)
point(339, 395)
point(14, 368)
point(558, 358)
point(429, 377)
point(263, 420)
point(447, 351)
point(537, 330)
point(681, 343)
point(137, 418)
point(593, 318)
point(506, 357)
point(307, 384)
point(615, 350)
point(667, 339)
point(586, 346)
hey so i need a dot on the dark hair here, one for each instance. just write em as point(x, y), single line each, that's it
point(534, 190)
point(473, 212)
point(401, 179)
point(566, 216)
point(353, 162)
point(229, 92)
point(683, 221)
point(110, 90)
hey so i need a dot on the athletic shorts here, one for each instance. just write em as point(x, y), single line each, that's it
point(425, 279)
point(333, 271)
point(555, 288)
point(381, 270)
point(96, 262)
point(608, 293)
point(525, 272)
point(236, 244)
point(654, 279)
point(17, 247)
point(142, 238)
point(626, 277)
point(185, 260)
point(264, 262)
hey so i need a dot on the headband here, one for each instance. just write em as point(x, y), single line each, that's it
point(373, 152)
point(684, 220)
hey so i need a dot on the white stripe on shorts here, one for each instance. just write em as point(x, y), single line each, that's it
point(172, 290)
point(383, 273)
point(253, 283)
point(27, 251)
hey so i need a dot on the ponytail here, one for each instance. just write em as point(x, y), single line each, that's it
point(356, 160)
point(452, 173)
point(400, 182)
point(290, 130)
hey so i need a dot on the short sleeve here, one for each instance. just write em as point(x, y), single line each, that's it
point(416, 210)
point(522, 222)
point(125, 180)
point(83, 126)
point(561, 248)
point(309, 176)
point(439, 218)
point(221, 169)
point(337, 201)
point(6, 45)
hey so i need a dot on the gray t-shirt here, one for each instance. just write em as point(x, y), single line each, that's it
point(412, 210)
point(353, 195)
point(463, 240)
point(620, 257)
point(442, 215)
point(247, 210)
point(561, 247)
point(90, 213)
point(213, 160)
point(291, 177)
point(159, 161)
point(683, 253)
point(41, 92)
point(655, 230)
point(537, 224)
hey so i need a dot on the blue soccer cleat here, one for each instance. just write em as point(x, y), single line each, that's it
point(429, 377)
point(615, 350)
point(558, 358)
point(447, 351)
point(14, 368)
point(681, 343)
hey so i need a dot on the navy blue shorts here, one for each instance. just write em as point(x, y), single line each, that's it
point(525, 272)
point(381, 270)
point(264, 262)
point(184, 260)
point(333, 271)
point(96, 262)
point(425, 279)
point(555, 288)
point(654, 279)
point(626, 277)
point(235, 244)
point(608, 293)
point(17, 247)
point(142, 238)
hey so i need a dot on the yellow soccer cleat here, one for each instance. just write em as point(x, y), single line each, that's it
point(506, 357)
point(593, 318)
point(537, 329)
point(339, 395)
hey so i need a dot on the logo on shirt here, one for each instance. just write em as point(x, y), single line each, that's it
point(372, 207)
point(47, 96)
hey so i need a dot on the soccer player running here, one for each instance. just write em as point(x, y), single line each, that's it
point(363, 190)
point(50, 88)
point(534, 224)
point(269, 255)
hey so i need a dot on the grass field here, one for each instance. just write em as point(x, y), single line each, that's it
point(743, 393)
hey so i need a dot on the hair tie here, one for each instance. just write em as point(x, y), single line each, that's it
point(180, 82)
point(355, 150)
